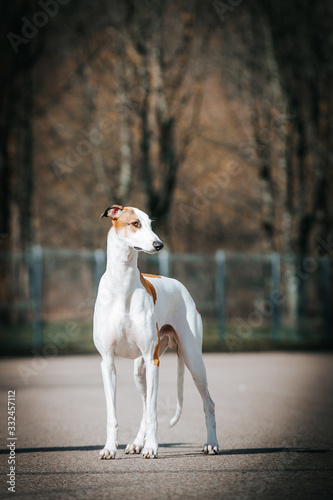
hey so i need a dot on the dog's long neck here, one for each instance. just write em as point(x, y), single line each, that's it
point(122, 265)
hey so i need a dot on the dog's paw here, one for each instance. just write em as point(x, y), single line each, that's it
point(107, 454)
point(149, 452)
point(210, 449)
point(133, 448)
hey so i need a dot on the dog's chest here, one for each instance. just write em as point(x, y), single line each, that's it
point(124, 325)
point(126, 348)
point(120, 333)
point(124, 336)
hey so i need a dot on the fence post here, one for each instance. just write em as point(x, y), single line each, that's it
point(36, 289)
point(163, 263)
point(275, 286)
point(99, 255)
point(302, 275)
point(220, 293)
point(325, 296)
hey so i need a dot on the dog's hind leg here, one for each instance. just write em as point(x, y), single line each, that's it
point(140, 382)
point(190, 336)
point(198, 372)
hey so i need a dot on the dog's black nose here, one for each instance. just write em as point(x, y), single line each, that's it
point(158, 245)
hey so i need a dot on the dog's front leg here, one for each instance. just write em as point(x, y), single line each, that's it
point(109, 380)
point(150, 449)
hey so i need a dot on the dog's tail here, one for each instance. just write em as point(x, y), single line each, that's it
point(180, 387)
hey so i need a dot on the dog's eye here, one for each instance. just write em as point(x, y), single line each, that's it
point(136, 223)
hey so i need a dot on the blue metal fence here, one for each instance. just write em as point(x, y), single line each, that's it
point(241, 297)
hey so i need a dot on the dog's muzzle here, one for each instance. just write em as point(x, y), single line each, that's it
point(158, 245)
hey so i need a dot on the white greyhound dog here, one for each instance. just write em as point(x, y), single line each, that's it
point(138, 316)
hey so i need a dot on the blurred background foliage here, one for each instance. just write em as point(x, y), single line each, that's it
point(214, 117)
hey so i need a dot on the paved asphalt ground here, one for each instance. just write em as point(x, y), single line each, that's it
point(274, 420)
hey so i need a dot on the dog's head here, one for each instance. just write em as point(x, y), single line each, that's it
point(133, 227)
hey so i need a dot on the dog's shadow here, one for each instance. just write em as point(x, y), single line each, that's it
point(244, 451)
point(185, 450)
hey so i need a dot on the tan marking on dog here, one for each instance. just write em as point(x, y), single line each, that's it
point(149, 287)
point(197, 309)
point(157, 349)
point(123, 224)
point(169, 331)
point(151, 275)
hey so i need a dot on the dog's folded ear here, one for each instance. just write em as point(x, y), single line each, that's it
point(112, 212)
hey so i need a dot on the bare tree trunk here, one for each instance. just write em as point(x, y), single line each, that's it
point(5, 212)
point(91, 121)
point(125, 175)
point(25, 183)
